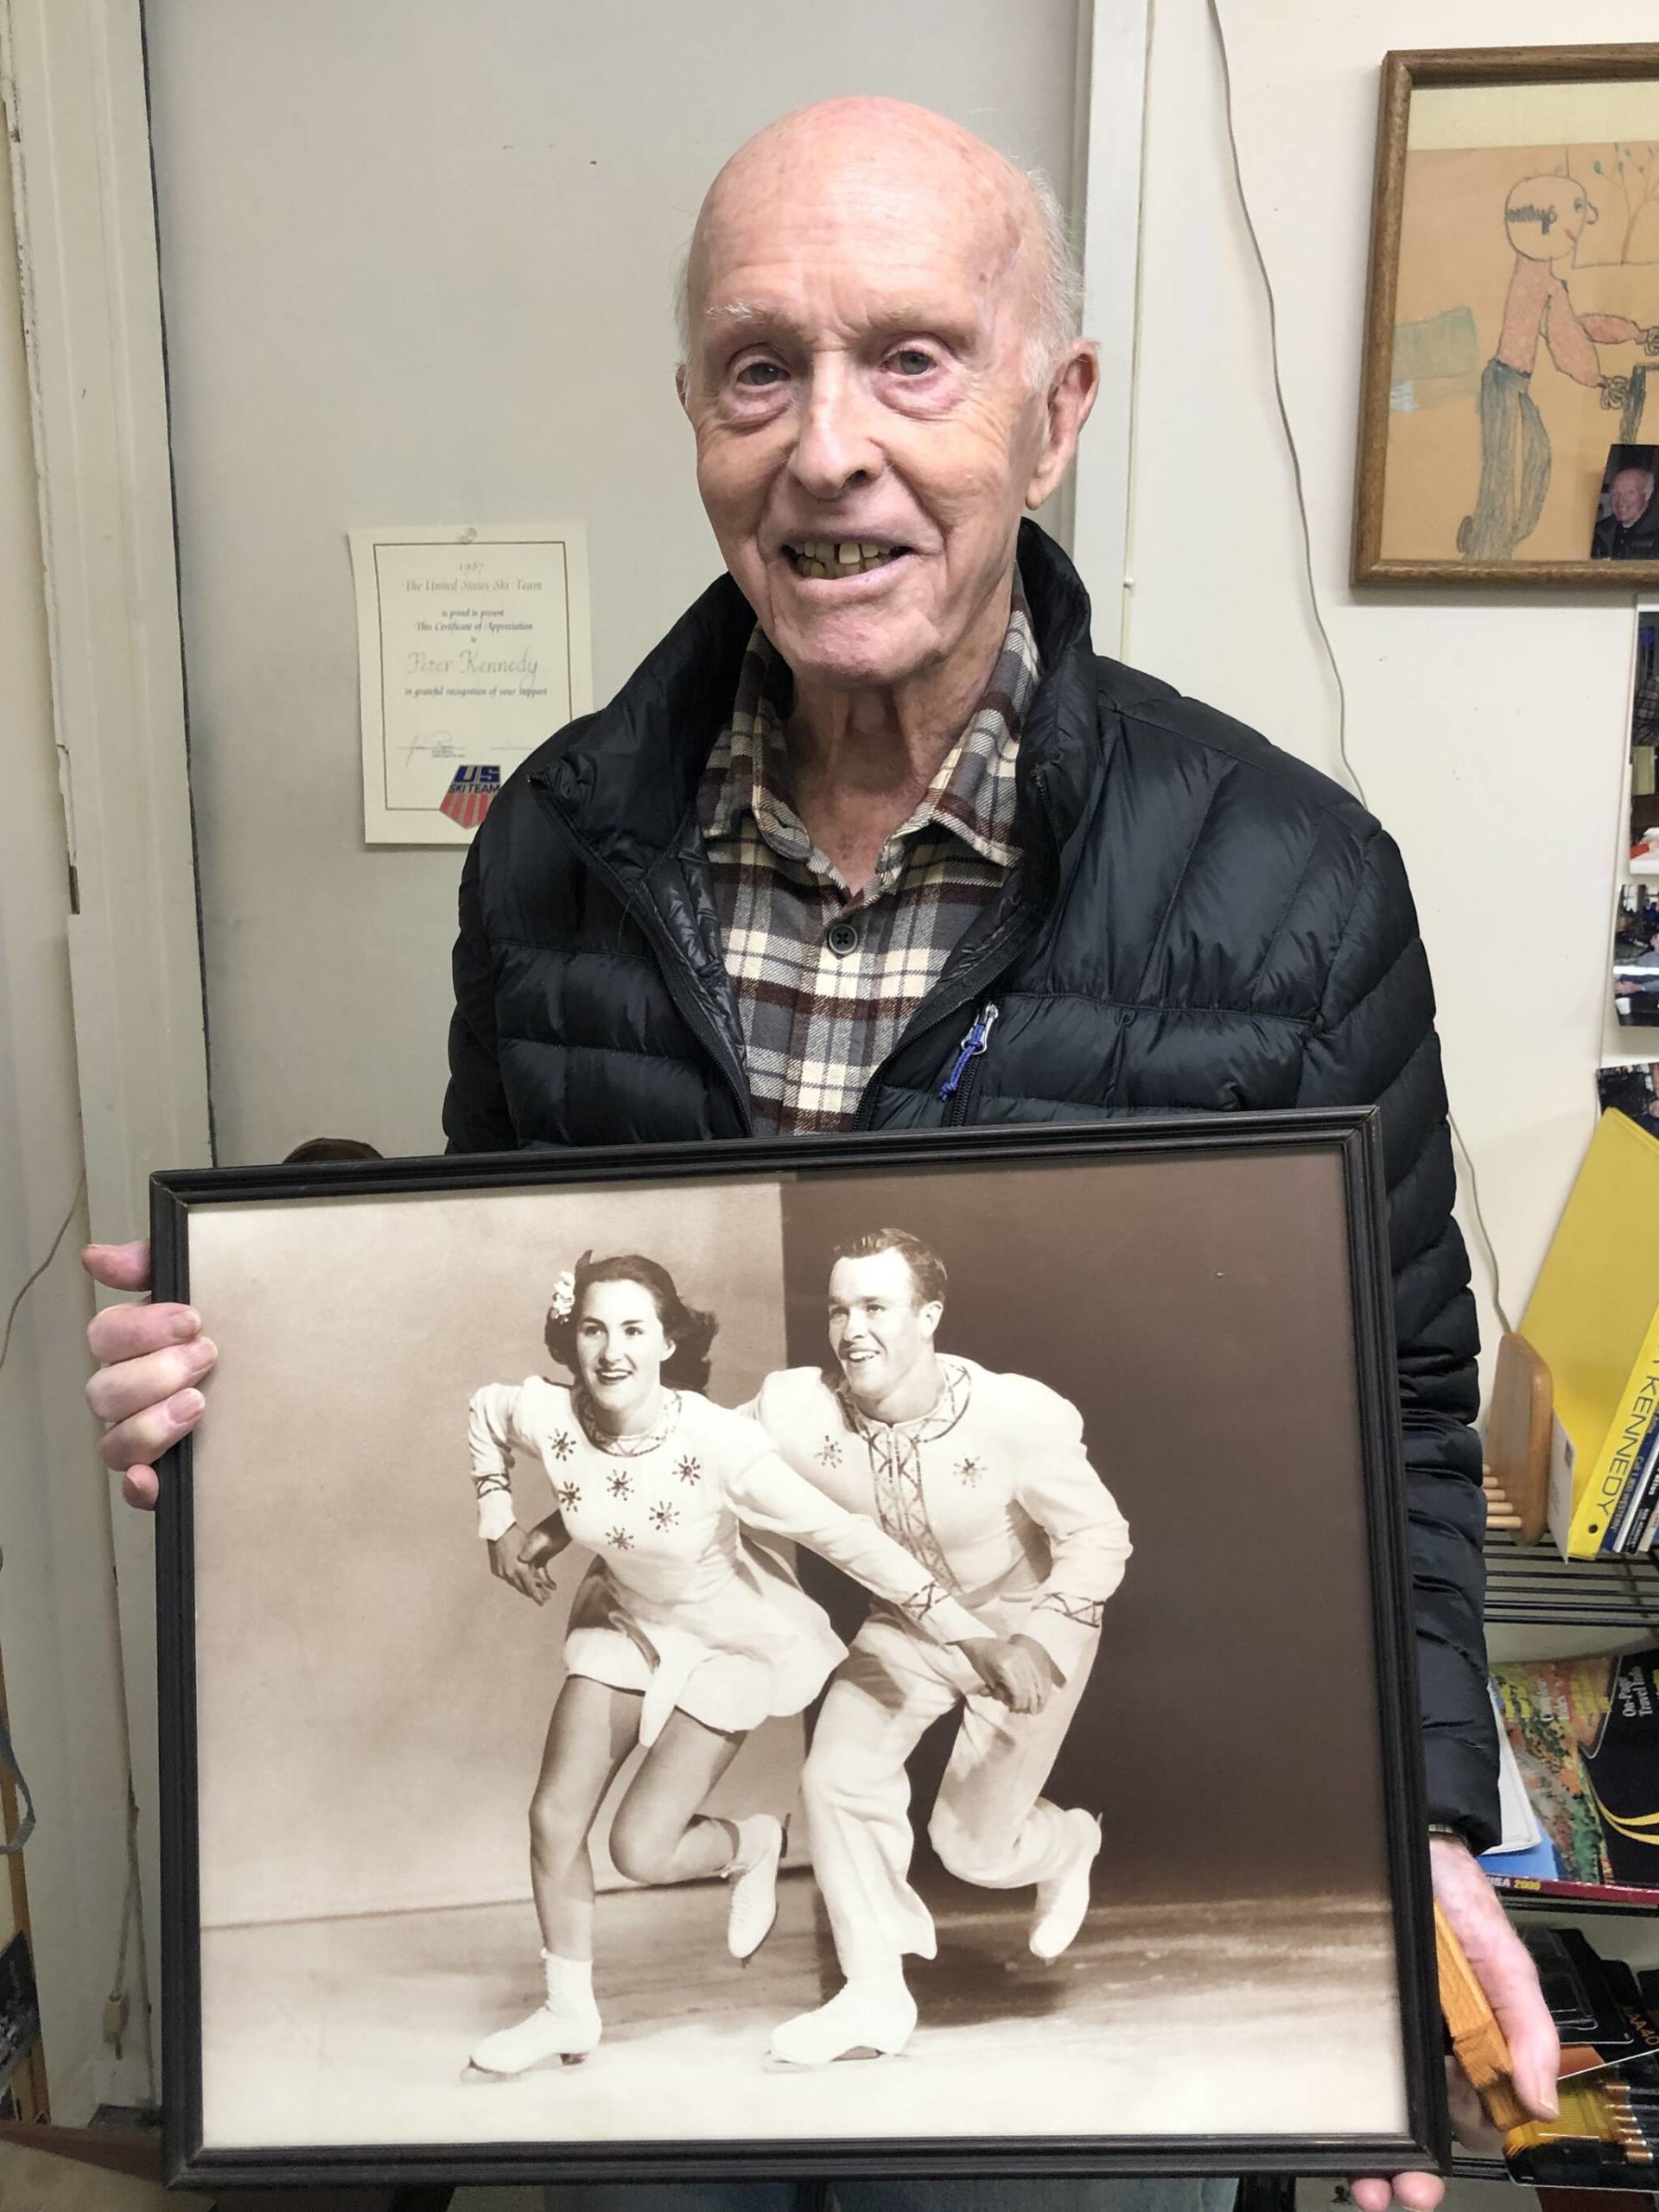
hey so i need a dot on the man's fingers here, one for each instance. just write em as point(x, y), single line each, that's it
point(141, 1441)
point(118, 1267)
point(130, 1332)
point(134, 1386)
point(1535, 2056)
point(1371, 2193)
point(139, 1487)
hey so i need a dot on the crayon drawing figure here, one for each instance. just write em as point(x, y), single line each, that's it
point(1545, 216)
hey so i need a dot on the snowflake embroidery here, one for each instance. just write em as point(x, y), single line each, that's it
point(618, 1540)
point(568, 1494)
point(829, 1453)
point(664, 1515)
point(620, 1485)
point(564, 1444)
point(689, 1470)
point(969, 1470)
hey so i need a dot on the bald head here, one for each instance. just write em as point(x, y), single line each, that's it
point(879, 150)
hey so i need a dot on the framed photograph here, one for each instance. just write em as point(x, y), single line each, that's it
point(1512, 325)
point(644, 1629)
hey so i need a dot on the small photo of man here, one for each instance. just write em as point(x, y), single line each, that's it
point(1636, 955)
point(1627, 513)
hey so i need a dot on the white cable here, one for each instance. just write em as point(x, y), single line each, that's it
point(1352, 773)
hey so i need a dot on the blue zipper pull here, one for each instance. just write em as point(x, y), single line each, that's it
point(978, 1037)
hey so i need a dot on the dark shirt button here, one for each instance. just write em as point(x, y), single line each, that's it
point(842, 939)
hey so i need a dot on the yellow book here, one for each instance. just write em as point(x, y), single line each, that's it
point(1593, 1316)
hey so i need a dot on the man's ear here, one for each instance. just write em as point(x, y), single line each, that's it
point(1072, 391)
point(929, 1317)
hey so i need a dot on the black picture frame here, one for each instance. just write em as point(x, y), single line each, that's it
point(1348, 1140)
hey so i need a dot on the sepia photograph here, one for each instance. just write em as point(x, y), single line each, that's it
point(732, 1621)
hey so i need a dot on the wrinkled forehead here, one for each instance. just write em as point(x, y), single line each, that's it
point(785, 240)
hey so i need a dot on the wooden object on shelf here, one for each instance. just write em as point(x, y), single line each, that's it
point(1476, 2037)
point(1517, 1441)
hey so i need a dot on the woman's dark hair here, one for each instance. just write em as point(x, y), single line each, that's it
point(690, 1331)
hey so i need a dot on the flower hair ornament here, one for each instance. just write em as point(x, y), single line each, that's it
point(563, 1303)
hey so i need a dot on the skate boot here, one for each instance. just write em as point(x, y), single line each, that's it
point(876, 2013)
point(566, 2028)
point(752, 1874)
point(1062, 1901)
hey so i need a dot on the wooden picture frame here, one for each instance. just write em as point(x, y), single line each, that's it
point(1488, 407)
point(351, 1707)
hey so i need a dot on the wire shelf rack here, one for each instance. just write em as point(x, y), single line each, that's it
point(1534, 1584)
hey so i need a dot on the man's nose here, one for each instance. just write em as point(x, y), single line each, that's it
point(834, 446)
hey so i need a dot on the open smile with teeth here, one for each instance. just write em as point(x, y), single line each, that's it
point(828, 559)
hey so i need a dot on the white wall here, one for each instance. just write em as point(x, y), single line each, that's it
point(1488, 729)
point(57, 1599)
point(417, 264)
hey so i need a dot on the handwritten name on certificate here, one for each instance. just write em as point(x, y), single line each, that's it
point(472, 647)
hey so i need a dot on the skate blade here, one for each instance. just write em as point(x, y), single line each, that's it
point(774, 2064)
point(474, 2076)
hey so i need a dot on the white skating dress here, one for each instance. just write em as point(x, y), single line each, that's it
point(687, 1600)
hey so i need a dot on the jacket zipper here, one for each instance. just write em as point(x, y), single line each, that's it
point(668, 955)
point(995, 961)
point(954, 1093)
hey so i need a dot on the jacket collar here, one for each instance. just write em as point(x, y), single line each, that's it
point(627, 782)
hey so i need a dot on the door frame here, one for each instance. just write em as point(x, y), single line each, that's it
point(72, 83)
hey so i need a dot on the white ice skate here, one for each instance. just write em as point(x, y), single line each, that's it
point(1062, 1901)
point(566, 2028)
point(865, 2016)
point(753, 1877)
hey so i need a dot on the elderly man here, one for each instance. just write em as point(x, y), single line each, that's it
point(873, 840)
point(984, 1480)
point(1630, 529)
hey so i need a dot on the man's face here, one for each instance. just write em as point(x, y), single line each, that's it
point(1629, 493)
point(1546, 216)
point(866, 432)
point(880, 1331)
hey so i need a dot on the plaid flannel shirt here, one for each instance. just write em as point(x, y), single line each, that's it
point(827, 977)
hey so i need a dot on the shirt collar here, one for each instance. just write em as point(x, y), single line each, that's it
point(972, 795)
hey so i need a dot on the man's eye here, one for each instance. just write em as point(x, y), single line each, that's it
point(757, 376)
point(911, 361)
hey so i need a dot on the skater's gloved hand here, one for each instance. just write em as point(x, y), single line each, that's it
point(1505, 1970)
point(508, 1564)
point(543, 1546)
point(1014, 1669)
point(151, 1359)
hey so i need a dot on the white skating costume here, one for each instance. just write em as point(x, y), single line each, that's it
point(686, 1602)
point(992, 1492)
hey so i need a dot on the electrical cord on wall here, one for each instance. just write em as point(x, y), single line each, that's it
point(1354, 781)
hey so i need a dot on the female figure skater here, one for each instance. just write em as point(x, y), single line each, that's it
point(689, 1630)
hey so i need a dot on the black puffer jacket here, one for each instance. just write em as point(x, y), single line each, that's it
point(1201, 923)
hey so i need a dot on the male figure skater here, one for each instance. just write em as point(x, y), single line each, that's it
point(984, 1478)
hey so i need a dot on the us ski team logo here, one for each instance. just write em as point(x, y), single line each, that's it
point(468, 799)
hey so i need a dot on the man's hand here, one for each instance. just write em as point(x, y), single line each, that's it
point(508, 1563)
point(151, 1359)
point(1014, 1669)
point(1505, 1970)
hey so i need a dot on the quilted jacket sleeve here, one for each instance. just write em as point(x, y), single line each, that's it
point(475, 1114)
point(1374, 1043)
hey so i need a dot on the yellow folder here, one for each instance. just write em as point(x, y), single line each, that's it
point(1593, 1316)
